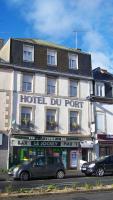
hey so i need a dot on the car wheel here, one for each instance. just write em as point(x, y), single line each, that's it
point(100, 172)
point(60, 174)
point(24, 176)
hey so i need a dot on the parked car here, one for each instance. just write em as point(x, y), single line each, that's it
point(82, 162)
point(98, 167)
point(40, 167)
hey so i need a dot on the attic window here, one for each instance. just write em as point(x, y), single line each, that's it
point(73, 61)
point(28, 53)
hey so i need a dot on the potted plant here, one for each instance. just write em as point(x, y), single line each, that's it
point(75, 125)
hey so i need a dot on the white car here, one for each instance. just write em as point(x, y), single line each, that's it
point(82, 162)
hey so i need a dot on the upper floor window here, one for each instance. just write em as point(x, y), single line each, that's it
point(27, 83)
point(51, 120)
point(74, 120)
point(100, 121)
point(51, 86)
point(51, 57)
point(28, 53)
point(73, 61)
point(112, 89)
point(26, 117)
point(73, 88)
point(99, 89)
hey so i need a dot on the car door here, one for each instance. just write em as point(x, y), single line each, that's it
point(51, 166)
point(38, 167)
point(108, 164)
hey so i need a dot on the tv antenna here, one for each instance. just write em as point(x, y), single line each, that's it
point(76, 36)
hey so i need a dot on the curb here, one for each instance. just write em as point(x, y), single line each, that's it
point(58, 192)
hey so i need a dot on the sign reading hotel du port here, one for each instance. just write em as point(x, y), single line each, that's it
point(32, 99)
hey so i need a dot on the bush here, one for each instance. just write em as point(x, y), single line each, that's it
point(88, 186)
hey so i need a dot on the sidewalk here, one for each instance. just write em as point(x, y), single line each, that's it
point(74, 173)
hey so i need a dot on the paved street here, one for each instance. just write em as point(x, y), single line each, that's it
point(64, 182)
point(73, 196)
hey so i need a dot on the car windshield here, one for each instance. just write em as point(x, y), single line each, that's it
point(101, 158)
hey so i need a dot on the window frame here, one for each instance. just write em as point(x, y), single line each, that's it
point(55, 86)
point(25, 126)
point(70, 61)
point(70, 86)
point(73, 130)
point(55, 127)
point(32, 52)
point(49, 52)
point(104, 122)
point(27, 82)
point(112, 90)
point(100, 89)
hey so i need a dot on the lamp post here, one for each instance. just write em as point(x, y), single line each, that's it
point(8, 150)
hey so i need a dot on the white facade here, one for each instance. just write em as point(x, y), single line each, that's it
point(104, 129)
point(67, 103)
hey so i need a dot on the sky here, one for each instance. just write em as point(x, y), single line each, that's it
point(60, 21)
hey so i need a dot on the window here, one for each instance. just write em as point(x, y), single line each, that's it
point(51, 86)
point(112, 89)
point(27, 83)
point(51, 120)
point(51, 57)
point(73, 88)
point(74, 120)
point(40, 162)
point(99, 89)
point(100, 121)
point(73, 61)
point(26, 117)
point(28, 53)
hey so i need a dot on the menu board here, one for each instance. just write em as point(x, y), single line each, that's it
point(73, 159)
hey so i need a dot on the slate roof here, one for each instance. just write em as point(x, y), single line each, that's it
point(102, 75)
point(49, 44)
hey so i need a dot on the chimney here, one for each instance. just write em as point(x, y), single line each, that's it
point(1, 43)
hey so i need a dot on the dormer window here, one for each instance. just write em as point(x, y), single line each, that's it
point(52, 57)
point(112, 89)
point(28, 53)
point(73, 61)
point(99, 89)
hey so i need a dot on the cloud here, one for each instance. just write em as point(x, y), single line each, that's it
point(100, 59)
point(57, 19)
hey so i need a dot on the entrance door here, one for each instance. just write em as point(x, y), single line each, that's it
point(85, 154)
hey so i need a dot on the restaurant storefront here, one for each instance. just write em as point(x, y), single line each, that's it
point(24, 147)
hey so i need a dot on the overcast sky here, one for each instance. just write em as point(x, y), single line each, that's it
point(56, 21)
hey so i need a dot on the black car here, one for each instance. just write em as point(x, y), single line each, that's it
point(98, 167)
point(40, 167)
